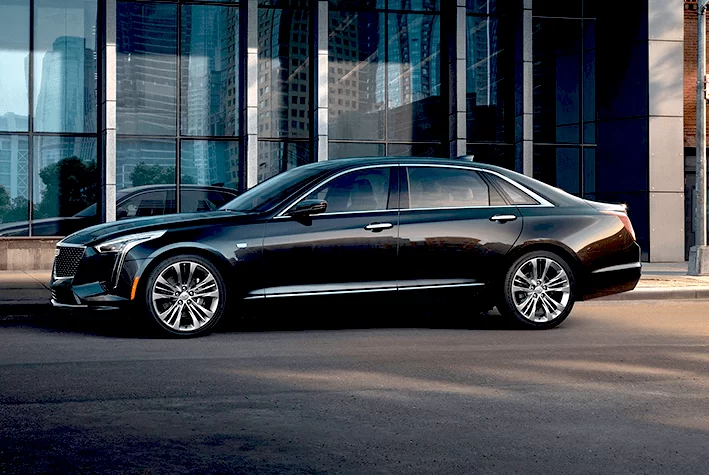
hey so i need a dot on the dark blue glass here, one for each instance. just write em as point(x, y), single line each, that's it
point(66, 179)
point(14, 189)
point(356, 77)
point(14, 49)
point(144, 162)
point(210, 162)
point(209, 68)
point(64, 85)
point(277, 157)
point(414, 78)
point(146, 70)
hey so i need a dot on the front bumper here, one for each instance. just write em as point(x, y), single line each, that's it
point(65, 294)
point(95, 285)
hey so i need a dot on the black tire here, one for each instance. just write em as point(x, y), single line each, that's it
point(539, 306)
point(189, 314)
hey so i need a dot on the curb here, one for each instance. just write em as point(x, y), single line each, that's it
point(661, 293)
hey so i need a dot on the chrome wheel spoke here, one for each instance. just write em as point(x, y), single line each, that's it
point(541, 289)
point(185, 296)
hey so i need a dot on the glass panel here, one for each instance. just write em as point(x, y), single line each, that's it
point(210, 162)
point(150, 203)
point(485, 7)
point(144, 162)
point(284, 73)
point(416, 150)
point(589, 173)
point(196, 199)
point(414, 79)
point(65, 66)
point(356, 75)
point(65, 178)
point(446, 188)
point(285, 3)
point(355, 4)
point(346, 150)
point(485, 80)
point(559, 166)
point(146, 70)
point(14, 49)
point(514, 194)
point(557, 81)
point(364, 190)
point(210, 85)
point(415, 5)
point(500, 155)
point(277, 157)
point(14, 191)
point(555, 8)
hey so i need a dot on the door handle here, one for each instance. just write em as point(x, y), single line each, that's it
point(501, 218)
point(378, 226)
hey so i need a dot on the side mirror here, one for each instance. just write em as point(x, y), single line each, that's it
point(308, 207)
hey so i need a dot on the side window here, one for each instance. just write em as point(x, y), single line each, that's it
point(151, 203)
point(361, 190)
point(514, 194)
point(439, 187)
point(201, 200)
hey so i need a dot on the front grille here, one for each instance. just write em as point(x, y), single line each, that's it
point(66, 263)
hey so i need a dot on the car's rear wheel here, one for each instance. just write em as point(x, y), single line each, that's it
point(185, 296)
point(538, 291)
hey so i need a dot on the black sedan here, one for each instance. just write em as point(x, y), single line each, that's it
point(365, 227)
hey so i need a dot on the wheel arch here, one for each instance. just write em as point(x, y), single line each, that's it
point(556, 247)
point(212, 255)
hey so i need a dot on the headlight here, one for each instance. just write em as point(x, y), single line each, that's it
point(122, 243)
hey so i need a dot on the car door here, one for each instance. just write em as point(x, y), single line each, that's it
point(454, 228)
point(350, 248)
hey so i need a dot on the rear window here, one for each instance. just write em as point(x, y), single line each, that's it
point(514, 194)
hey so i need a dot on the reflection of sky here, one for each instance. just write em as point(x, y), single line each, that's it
point(69, 19)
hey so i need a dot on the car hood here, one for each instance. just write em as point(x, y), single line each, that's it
point(101, 232)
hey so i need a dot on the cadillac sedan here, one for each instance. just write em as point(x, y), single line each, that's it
point(398, 228)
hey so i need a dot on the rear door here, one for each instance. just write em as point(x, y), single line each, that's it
point(454, 228)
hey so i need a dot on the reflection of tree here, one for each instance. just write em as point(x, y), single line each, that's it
point(12, 210)
point(70, 186)
point(155, 175)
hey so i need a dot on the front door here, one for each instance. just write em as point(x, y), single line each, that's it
point(350, 248)
point(454, 229)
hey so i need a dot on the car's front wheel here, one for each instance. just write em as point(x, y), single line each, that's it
point(538, 291)
point(185, 296)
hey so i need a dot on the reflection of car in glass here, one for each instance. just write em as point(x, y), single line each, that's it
point(147, 200)
point(397, 227)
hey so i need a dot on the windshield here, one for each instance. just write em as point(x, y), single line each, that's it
point(271, 192)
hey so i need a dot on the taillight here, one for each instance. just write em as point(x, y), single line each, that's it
point(623, 219)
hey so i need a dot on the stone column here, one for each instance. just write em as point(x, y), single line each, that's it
point(249, 106)
point(106, 150)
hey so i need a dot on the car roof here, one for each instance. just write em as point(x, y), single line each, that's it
point(551, 193)
point(138, 189)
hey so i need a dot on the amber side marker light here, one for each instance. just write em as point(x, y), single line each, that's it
point(623, 219)
point(134, 289)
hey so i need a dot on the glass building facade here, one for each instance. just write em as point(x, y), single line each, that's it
point(98, 96)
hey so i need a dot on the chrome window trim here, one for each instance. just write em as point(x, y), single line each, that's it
point(282, 214)
point(542, 202)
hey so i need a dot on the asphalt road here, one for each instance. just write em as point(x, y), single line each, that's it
point(620, 387)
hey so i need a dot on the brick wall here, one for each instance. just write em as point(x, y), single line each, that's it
point(690, 72)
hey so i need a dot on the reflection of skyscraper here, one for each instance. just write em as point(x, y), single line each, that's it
point(284, 86)
point(67, 92)
point(14, 172)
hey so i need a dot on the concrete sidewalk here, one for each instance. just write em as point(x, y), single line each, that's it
point(28, 291)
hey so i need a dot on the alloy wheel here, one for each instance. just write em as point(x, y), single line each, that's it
point(541, 289)
point(185, 296)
